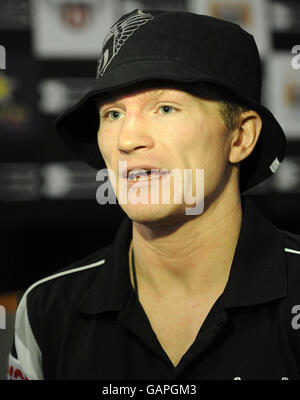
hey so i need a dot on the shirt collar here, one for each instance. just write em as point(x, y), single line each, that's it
point(258, 272)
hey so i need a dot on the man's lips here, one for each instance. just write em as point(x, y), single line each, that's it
point(145, 178)
point(141, 171)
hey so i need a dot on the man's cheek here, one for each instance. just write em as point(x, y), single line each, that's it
point(105, 151)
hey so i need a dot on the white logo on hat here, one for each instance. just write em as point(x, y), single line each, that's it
point(119, 33)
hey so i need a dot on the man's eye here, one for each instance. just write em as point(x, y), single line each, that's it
point(113, 115)
point(166, 109)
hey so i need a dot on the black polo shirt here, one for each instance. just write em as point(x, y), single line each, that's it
point(85, 321)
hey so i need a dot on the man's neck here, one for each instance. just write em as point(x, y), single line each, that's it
point(193, 259)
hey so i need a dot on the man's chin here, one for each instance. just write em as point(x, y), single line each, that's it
point(151, 213)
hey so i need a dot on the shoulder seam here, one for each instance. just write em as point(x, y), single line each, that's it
point(287, 250)
point(59, 274)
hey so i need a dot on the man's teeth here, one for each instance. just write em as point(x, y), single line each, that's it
point(138, 173)
point(142, 174)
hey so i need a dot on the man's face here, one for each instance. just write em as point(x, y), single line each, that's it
point(163, 129)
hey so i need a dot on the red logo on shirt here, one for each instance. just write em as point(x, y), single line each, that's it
point(15, 370)
point(16, 374)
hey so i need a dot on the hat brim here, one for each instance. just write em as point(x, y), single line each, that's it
point(78, 126)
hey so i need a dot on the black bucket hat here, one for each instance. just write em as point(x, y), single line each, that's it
point(178, 47)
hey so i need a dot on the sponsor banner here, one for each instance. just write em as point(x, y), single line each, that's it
point(68, 180)
point(15, 114)
point(70, 29)
point(251, 15)
point(175, 5)
point(282, 90)
point(54, 181)
point(14, 14)
point(286, 16)
point(19, 182)
point(57, 94)
point(17, 93)
point(18, 117)
point(287, 178)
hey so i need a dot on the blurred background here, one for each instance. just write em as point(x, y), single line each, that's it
point(48, 51)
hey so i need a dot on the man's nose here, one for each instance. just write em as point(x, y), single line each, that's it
point(135, 133)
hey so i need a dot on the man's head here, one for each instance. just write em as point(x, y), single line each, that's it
point(175, 127)
point(186, 48)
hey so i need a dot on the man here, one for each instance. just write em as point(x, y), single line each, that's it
point(209, 293)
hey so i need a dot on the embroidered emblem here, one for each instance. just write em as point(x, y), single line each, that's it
point(118, 35)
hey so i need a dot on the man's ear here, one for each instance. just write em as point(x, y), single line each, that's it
point(244, 136)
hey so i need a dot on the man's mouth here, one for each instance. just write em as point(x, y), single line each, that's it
point(142, 175)
point(145, 174)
